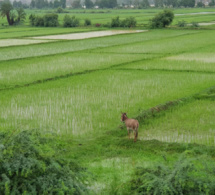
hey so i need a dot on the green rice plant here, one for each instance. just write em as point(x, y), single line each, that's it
point(76, 107)
point(31, 70)
point(167, 46)
point(191, 123)
point(88, 44)
point(183, 62)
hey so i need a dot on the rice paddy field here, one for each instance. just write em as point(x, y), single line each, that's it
point(77, 89)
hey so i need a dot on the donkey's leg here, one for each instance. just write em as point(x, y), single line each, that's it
point(135, 135)
point(128, 133)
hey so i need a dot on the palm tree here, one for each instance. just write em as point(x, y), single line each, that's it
point(21, 15)
point(5, 10)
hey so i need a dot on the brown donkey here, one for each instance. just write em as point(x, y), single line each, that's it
point(131, 124)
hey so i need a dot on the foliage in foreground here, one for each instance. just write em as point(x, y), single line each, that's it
point(28, 165)
point(186, 176)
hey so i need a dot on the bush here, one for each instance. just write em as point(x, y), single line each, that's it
point(181, 23)
point(200, 4)
point(39, 21)
point(195, 24)
point(50, 20)
point(29, 165)
point(162, 19)
point(70, 21)
point(32, 18)
point(87, 22)
point(60, 10)
point(115, 22)
point(128, 22)
point(182, 178)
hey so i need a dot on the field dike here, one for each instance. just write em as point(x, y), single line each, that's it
point(158, 111)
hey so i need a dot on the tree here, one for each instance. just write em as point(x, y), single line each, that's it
point(187, 3)
point(6, 8)
point(63, 3)
point(200, 4)
point(159, 3)
point(212, 3)
point(145, 3)
point(88, 3)
point(76, 4)
point(162, 19)
point(21, 15)
point(108, 3)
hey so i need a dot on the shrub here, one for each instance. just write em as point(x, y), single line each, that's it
point(39, 21)
point(32, 18)
point(200, 4)
point(60, 10)
point(50, 20)
point(29, 165)
point(87, 22)
point(195, 24)
point(70, 21)
point(182, 178)
point(162, 19)
point(115, 22)
point(129, 22)
point(181, 23)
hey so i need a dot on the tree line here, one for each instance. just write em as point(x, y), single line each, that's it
point(40, 4)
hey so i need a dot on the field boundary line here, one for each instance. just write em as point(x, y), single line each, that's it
point(167, 70)
point(158, 110)
point(70, 74)
point(81, 50)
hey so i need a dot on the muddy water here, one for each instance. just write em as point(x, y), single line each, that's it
point(87, 35)
point(199, 13)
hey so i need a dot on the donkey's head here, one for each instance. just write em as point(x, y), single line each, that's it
point(124, 116)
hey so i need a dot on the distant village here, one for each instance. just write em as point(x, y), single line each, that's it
point(118, 3)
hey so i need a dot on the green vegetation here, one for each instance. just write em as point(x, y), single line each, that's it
point(73, 91)
point(182, 178)
point(26, 168)
point(162, 19)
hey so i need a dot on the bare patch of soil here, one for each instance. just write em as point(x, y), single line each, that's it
point(86, 35)
point(11, 42)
